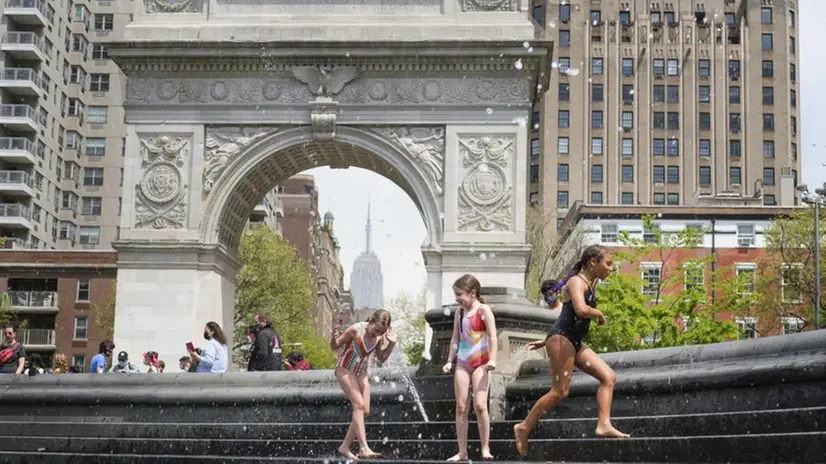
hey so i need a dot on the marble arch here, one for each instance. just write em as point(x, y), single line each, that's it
point(225, 98)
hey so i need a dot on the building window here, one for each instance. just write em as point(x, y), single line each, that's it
point(628, 173)
point(673, 93)
point(609, 233)
point(794, 151)
point(596, 119)
point(734, 95)
point(84, 290)
point(564, 64)
point(734, 69)
point(562, 145)
point(659, 175)
point(704, 148)
point(673, 67)
point(596, 93)
point(99, 83)
point(564, 119)
point(673, 120)
point(658, 94)
point(659, 120)
point(79, 361)
point(793, 72)
point(104, 21)
point(81, 328)
point(792, 45)
point(596, 145)
point(705, 175)
point(766, 42)
point(564, 13)
point(705, 121)
point(534, 198)
point(734, 148)
point(659, 67)
point(93, 177)
point(562, 172)
point(734, 175)
point(768, 122)
point(793, 98)
point(564, 92)
point(97, 114)
point(95, 146)
point(747, 326)
point(769, 200)
point(650, 273)
point(627, 67)
point(627, 120)
point(564, 39)
point(768, 176)
point(627, 147)
point(659, 198)
point(768, 95)
point(768, 69)
point(704, 68)
point(67, 231)
point(534, 173)
point(673, 199)
point(746, 278)
point(627, 198)
point(791, 325)
point(694, 276)
point(768, 148)
point(673, 147)
point(596, 66)
point(596, 173)
point(596, 198)
point(790, 281)
point(627, 94)
point(734, 122)
point(89, 235)
point(659, 147)
point(100, 52)
point(91, 206)
point(704, 94)
point(765, 15)
point(745, 235)
point(562, 199)
point(673, 175)
point(539, 13)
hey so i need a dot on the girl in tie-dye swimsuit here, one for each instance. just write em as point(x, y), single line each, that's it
point(473, 345)
point(354, 348)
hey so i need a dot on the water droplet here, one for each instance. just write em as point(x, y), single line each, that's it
point(420, 435)
point(492, 255)
point(401, 398)
point(446, 312)
point(489, 111)
point(565, 373)
point(385, 440)
point(587, 363)
point(483, 256)
point(526, 44)
point(518, 64)
point(554, 65)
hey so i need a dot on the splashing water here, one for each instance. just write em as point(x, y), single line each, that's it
point(411, 389)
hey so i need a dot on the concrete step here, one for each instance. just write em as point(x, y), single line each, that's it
point(729, 423)
point(798, 447)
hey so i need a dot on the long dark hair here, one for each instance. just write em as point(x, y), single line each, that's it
point(218, 333)
point(592, 253)
point(549, 294)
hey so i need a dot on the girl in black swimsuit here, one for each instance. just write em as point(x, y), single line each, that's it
point(565, 346)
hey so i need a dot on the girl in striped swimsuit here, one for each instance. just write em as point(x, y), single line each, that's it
point(354, 348)
point(473, 345)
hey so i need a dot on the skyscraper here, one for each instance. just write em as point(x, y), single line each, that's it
point(366, 281)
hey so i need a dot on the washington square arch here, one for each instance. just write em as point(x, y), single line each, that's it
point(227, 98)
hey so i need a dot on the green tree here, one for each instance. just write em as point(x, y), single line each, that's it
point(275, 281)
point(543, 246)
point(104, 314)
point(8, 316)
point(409, 311)
point(650, 306)
point(785, 277)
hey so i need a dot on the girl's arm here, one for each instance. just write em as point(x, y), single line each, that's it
point(342, 340)
point(386, 346)
point(490, 326)
point(208, 354)
point(454, 339)
point(576, 292)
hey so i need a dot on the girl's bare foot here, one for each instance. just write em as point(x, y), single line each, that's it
point(346, 453)
point(458, 457)
point(608, 431)
point(520, 434)
point(486, 456)
point(368, 454)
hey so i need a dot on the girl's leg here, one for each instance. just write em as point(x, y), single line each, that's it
point(350, 385)
point(481, 384)
point(590, 363)
point(364, 385)
point(561, 354)
point(461, 384)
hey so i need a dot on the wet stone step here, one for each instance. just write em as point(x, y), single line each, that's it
point(795, 447)
point(753, 422)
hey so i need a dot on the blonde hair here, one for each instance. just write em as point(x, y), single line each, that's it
point(60, 364)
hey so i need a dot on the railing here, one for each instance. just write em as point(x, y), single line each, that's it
point(36, 4)
point(16, 177)
point(18, 143)
point(13, 243)
point(38, 299)
point(14, 210)
point(24, 38)
point(20, 74)
point(18, 111)
point(37, 337)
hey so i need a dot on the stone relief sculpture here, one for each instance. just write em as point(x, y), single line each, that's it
point(223, 143)
point(324, 81)
point(425, 146)
point(160, 197)
point(488, 5)
point(485, 195)
point(173, 6)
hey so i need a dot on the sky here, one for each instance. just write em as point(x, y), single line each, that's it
point(398, 228)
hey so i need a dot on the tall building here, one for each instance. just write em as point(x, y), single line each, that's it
point(269, 212)
point(682, 102)
point(366, 280)
point(61, 124)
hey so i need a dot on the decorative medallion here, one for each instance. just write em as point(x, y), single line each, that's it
point(219, 90)
point(160, 196)
point(432, 91)
point(167, 90)
point(172, 6)
point(486, 91)
point(485, 195)
point(378, 91)
point(162, 182)
point(488, 5)
point(271, 91)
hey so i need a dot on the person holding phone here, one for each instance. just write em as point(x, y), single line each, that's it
point(213, 356)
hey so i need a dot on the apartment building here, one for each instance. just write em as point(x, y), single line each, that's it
point(61, 124)
point(666, 103)
point(52, 298)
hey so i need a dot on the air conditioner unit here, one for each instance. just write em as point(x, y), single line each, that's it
point(744, 242)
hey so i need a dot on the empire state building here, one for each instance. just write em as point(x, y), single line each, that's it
point(366, 280)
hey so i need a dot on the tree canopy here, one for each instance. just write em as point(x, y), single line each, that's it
point(409, 311)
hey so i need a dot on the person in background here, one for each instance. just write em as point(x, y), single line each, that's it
point(150, 358)
point(12, 354)
point(98, 364)
point(265, 353)
point(185, 363)
point(35, 365)
point(161, 365)
point(60, 364)
point(296, 362)
point(213, 356)
point(124, 366)
point(75, 370)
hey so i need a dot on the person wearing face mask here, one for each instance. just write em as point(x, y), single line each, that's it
point(124, 366)
point(98, 364)
point(213, 356)
point(265, 353)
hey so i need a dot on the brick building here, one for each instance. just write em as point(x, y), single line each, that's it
point(733, 235)
point(54, 294)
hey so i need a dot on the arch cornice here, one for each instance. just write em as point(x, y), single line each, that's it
point(245, 162)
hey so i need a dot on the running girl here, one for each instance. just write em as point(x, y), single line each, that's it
point(473, 345)
point(354, 348)
point(565, 346)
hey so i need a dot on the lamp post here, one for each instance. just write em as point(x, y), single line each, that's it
point(817, 199)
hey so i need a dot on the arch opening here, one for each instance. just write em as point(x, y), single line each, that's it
point(259, 168)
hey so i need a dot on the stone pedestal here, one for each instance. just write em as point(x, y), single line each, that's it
point(167, 292)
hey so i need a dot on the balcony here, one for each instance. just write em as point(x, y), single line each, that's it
point(15, 216)
point(24, 46)
point(33, 302)
point(21, 81)
point(260, 211)
point(21, 118)
point(34, 339)
point(31, 12)
point(13, 243)
point(17, 183)
point(18, 150)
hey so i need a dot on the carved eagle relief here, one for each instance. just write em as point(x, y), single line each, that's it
point(324, 81)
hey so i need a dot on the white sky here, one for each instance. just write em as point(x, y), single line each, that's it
point(398, 229)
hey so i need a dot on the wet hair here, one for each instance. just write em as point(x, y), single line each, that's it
point(106, 346)
point(592, 253)
point(467, 283)
point(548, 294)
point(218, 333)
point(380, 315)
